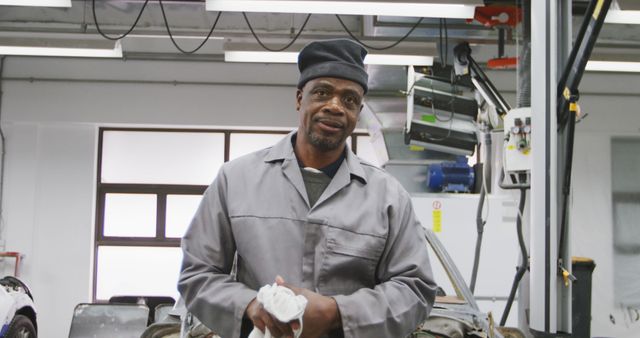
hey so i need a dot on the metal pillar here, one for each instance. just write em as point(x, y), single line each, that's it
point(565, 41)
point(550, 298)
point(544, 224)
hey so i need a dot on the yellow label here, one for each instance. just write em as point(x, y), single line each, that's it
point(416, 148)
point(437, 220)
point(573, 107)
point(566, 93)
point(598, 9)
point(511, 147)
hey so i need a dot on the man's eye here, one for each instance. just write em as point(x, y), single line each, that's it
point(352, 100)
point(322, 92)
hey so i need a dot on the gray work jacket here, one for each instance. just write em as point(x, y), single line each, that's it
point(360, 243)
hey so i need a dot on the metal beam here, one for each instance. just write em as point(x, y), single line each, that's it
point(543, 229)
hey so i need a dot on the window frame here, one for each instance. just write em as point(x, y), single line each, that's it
point(160, 190)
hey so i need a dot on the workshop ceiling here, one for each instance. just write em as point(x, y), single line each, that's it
point(190, 18)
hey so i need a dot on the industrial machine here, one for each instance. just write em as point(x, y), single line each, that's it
point(455, 176)
point(439, 115)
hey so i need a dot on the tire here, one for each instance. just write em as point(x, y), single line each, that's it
point(21, 327)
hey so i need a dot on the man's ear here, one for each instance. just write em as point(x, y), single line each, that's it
point(298, 99)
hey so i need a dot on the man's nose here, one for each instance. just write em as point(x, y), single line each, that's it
point(335, 106)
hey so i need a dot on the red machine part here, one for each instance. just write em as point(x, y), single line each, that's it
point(503, 63)
point(492, 16)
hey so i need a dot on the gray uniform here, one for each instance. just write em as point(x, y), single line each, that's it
point(360, 243)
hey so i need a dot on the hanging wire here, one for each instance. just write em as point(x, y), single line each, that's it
point(379, 48)
point(441, 42)
point(444, 41)
point(275, 49)
point(115, 38)
point(166, 24)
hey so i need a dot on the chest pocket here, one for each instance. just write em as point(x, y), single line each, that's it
point(349, 262)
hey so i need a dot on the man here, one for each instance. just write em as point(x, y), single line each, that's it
point(312, 216)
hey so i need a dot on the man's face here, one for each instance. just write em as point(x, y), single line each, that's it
point(329, 109)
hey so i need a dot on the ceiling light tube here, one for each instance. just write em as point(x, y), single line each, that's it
point(292, 57)
point(261, 57)
point(36, 3)
point(623, 17)
point(57, 51)
point(613, 66)
point(408, 9)
point(398, 60)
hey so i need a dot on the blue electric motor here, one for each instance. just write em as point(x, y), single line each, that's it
point(455, 176)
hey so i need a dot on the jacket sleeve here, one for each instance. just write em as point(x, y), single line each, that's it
point(206, 282)
point(406, 291)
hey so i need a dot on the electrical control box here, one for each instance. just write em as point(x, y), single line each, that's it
point(517, 140)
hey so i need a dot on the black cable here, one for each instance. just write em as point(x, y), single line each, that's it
point(480, 227)
point(480, 223)
point(446, 42)
point(95, 19)
point(166, 24)
point(378, 48)
point(524, 265)
point(275, 49)
point(442, 61)
point(569, 137)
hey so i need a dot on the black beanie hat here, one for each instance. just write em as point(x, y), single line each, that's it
point(341, 58)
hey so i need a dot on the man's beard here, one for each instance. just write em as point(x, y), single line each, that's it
point(323, 143)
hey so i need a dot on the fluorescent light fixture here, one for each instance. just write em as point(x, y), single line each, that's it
point(292, 57)
point(59, 51)
point(36, 3)
point(613, 66)
point(623, 17)
point(265, 57)
point(398, 60)
point(163, 45)
point(410, 9)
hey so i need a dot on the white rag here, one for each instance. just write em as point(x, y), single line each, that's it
point(283, 304)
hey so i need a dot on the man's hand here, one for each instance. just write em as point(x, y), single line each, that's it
point(321, 315)
point(262, 319)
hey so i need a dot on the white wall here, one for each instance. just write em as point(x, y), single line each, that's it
point(592, 221)
point(51, 127)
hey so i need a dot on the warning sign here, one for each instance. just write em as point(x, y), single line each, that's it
point(437, 221)
point(437, 216)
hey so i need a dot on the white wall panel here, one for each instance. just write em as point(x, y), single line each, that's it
point(49, 203)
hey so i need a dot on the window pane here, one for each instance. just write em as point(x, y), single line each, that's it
point(180, 211)
point(143, 271)
point(161, 157)
point(625, 165)
point(244, 143)
point(626, 213)
point(366, 151)
point(130, 215)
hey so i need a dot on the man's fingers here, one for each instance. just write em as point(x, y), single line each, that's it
point(295, 325)
point(259, 324)
point(276, 328)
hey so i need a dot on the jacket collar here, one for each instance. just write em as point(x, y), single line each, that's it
point(283, 150)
